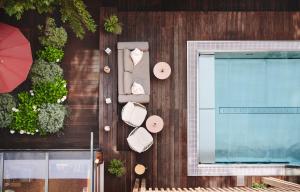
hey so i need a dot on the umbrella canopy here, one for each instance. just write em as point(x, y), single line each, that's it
point(15, 58)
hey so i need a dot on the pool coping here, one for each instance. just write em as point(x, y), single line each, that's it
point(193, 166)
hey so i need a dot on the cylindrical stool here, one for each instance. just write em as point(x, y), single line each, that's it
point(139, 169)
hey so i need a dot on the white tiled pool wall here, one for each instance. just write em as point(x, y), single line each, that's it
point(193, 49)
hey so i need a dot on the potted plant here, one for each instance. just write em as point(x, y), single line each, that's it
point(116, 168)
point(112, 25)
point(259, 186)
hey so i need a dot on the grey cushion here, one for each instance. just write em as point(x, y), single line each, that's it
point(144, 46)
point(136, 98)
point(128, 64)
point(120, 72)
point(141, 73)
point(127, 82)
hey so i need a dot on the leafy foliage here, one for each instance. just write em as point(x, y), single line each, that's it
point(7, 102)
point(50, 92)
point(116, 168)
point(25, 118)
point(43, 71)
point(112, 25)
point(51, 54)
point(259, 186)
point(51, 117)
point(18, 7)
point(52, 35)
point(73, 12)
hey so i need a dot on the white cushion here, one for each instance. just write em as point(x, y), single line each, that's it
point(140, 140)
point(137, 89)
point(138, 116)
point(133, 114)
point(136, 56)
point(127, 111)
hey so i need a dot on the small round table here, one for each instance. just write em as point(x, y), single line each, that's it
point(162, 70)
point(154, 124)
point(139, 169)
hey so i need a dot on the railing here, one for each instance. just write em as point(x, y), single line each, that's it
point(280, 183)
point(22, 165)
point(274, 185)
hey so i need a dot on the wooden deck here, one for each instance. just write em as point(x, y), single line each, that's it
point(167, 33)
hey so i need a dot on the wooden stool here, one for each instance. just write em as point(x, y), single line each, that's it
point(139, 169)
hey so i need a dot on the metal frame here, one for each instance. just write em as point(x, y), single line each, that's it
point(46, 159)
point(47, 172)
point(210, 47)
point(1, 170)
point(46, 152)
point(92, 183)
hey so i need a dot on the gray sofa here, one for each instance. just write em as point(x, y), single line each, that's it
point(128, 73)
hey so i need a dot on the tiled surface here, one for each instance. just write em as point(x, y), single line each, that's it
point(193, 48)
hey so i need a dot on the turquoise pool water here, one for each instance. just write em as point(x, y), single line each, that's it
point(257, 110)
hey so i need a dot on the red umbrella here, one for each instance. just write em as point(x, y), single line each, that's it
point(15, 58)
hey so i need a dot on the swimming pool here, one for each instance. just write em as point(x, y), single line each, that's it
point(249, 107)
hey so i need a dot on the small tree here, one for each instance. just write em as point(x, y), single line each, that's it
point(72, 12)
point(52, 35)
point(112, 25)
point(116, 168)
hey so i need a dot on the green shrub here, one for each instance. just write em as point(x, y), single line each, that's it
point(53, 36)
point(25, 116)
point(51, 117)
point(51, 54)
point(7, 103)
point(112, 25)
point(72, 12)
point(43, 71)
point(50, 92)
point(116, 168)
point(259, 186)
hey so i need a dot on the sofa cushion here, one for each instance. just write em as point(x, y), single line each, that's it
point(144, 46)
point(121, 72)
point(141, 73)
point(136, 56)
point(137, 89)
point(127, 82)
point(136, 98)
point(128, 64)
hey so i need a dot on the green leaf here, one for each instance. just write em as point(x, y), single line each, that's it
point(51, 54)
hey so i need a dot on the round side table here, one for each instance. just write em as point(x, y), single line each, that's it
point(162, 70)
point(154, 124)
point(139, 169)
